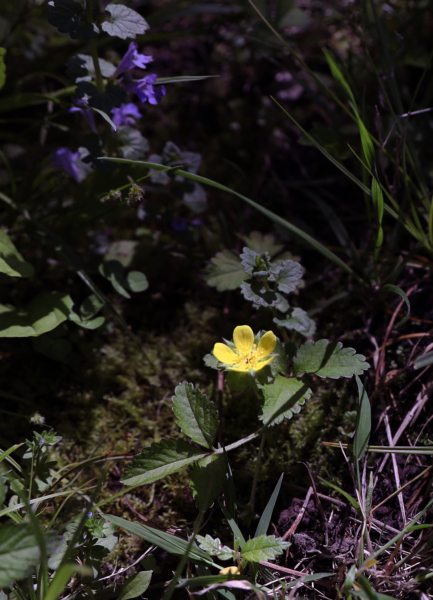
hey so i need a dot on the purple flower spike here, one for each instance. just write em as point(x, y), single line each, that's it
point(88, 114)
point(125, 115)
point(132, 59)
point(65, 159)
point(146, 91)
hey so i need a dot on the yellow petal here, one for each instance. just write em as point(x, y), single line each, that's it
point(225, 354)
point(243, 338)
point(266, 345)
point(231, 570)
point(262, 364)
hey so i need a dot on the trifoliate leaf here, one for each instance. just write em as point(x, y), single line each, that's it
point(287, 275)
point(81, 68)
point(329, 360)
point(124, 23)
point(256, 265)
point(298, 320)
point(11, 261)
point(214, 547)
point(225, 271)
point(66, 16)
point(197, 416)
point(238, 381)
point(196, 198)
point(136, 585)
point(20, 552)
point(132, 144)
point(283, 399)
point(159, 460)
point(264, 547)
point(256, 293)
point(113, 96)
point(207, 480)
point(136, 281)
point(262, 243)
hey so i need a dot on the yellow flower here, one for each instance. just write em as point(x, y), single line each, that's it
point(231, 570)
point(247, 355)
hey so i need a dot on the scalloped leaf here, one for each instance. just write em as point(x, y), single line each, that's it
point(66, 16)
point(256, 265)
point(207, 480)
point(326, 359)
point(159, 460)
point(287, 275)
point(197, 416)
point(298, 320)
point(257, 294)
point(124, 23)
point(225, 271)
point(11, 261)
point(264, 547)
point(214, 547)
point(262, 243)
point(283, 399)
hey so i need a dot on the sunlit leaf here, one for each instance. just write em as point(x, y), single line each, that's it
point(135, 585)
point(283, 399)
point(196, 414)
point(326, 359)
point(124, 23)
point(225, 271)
point(264, 547)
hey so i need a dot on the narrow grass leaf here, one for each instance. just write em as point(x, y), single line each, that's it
point(419, 363)
point(232, 524)
point(6, 453)
point(196, 414)
point(63, 577)
point(389, 287)
point(363, 422)
point(367, 144)
point(352, 501)
point(265, 519)
point(338, 75)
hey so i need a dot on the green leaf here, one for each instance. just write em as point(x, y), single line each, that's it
point(207, 480)
point(283, 399)
point(255, 265)
point(363, 422)
point(159, 460)
point(264, 547)
point(394, 288)
point(279, 364)
point(298, 320)
point(210, 361)
point(86, 324)
point(20, 552)
point(124, 23)
point(2, 67)
point(265, 519)
point(136, 281)
point(42, 314)
point(214, 547)
point(62, 578)
point(182, 79)
point(113, 271)
point(262, 243)
point(225, 271)
point(113, 97)
point(352, 501)
point(197, 416)
point(66, 16)
point(169, 543)
point(104, 116)
point(131, 143)
point(255, 292)
point(11, 261)
point(90, 307)
point(326, 359)
point(3, 487)
point(423, 361)
point(287, 276)
point(136, 585)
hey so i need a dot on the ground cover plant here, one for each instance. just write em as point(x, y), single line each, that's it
point(215, 318)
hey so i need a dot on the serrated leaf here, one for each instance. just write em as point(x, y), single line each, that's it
point(262, 243)
point(197, 416)
point(136, 281)
point(283, 399)
point(11, 261)
point(113, 97)
point(124, 23)
point(20, 552)
point(256, 265)
point(207, 480)
point(66, 16)
point(2, 67)
point(159, 460)
point(326, 359)
point(255, 292)
point(214, 547)
point(298, 320)
point(132, 144)
point(225, 271)
point(287, 276)
point(136, 585)
point(44, 313)
point(264, 547)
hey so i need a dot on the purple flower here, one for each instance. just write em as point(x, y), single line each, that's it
point(145, 89)
point(125, 115)
point(70, 162)
point(88, 114)
point(132, 59)
point(179, 223)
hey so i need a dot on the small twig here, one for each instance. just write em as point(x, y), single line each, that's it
point(298, 519)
